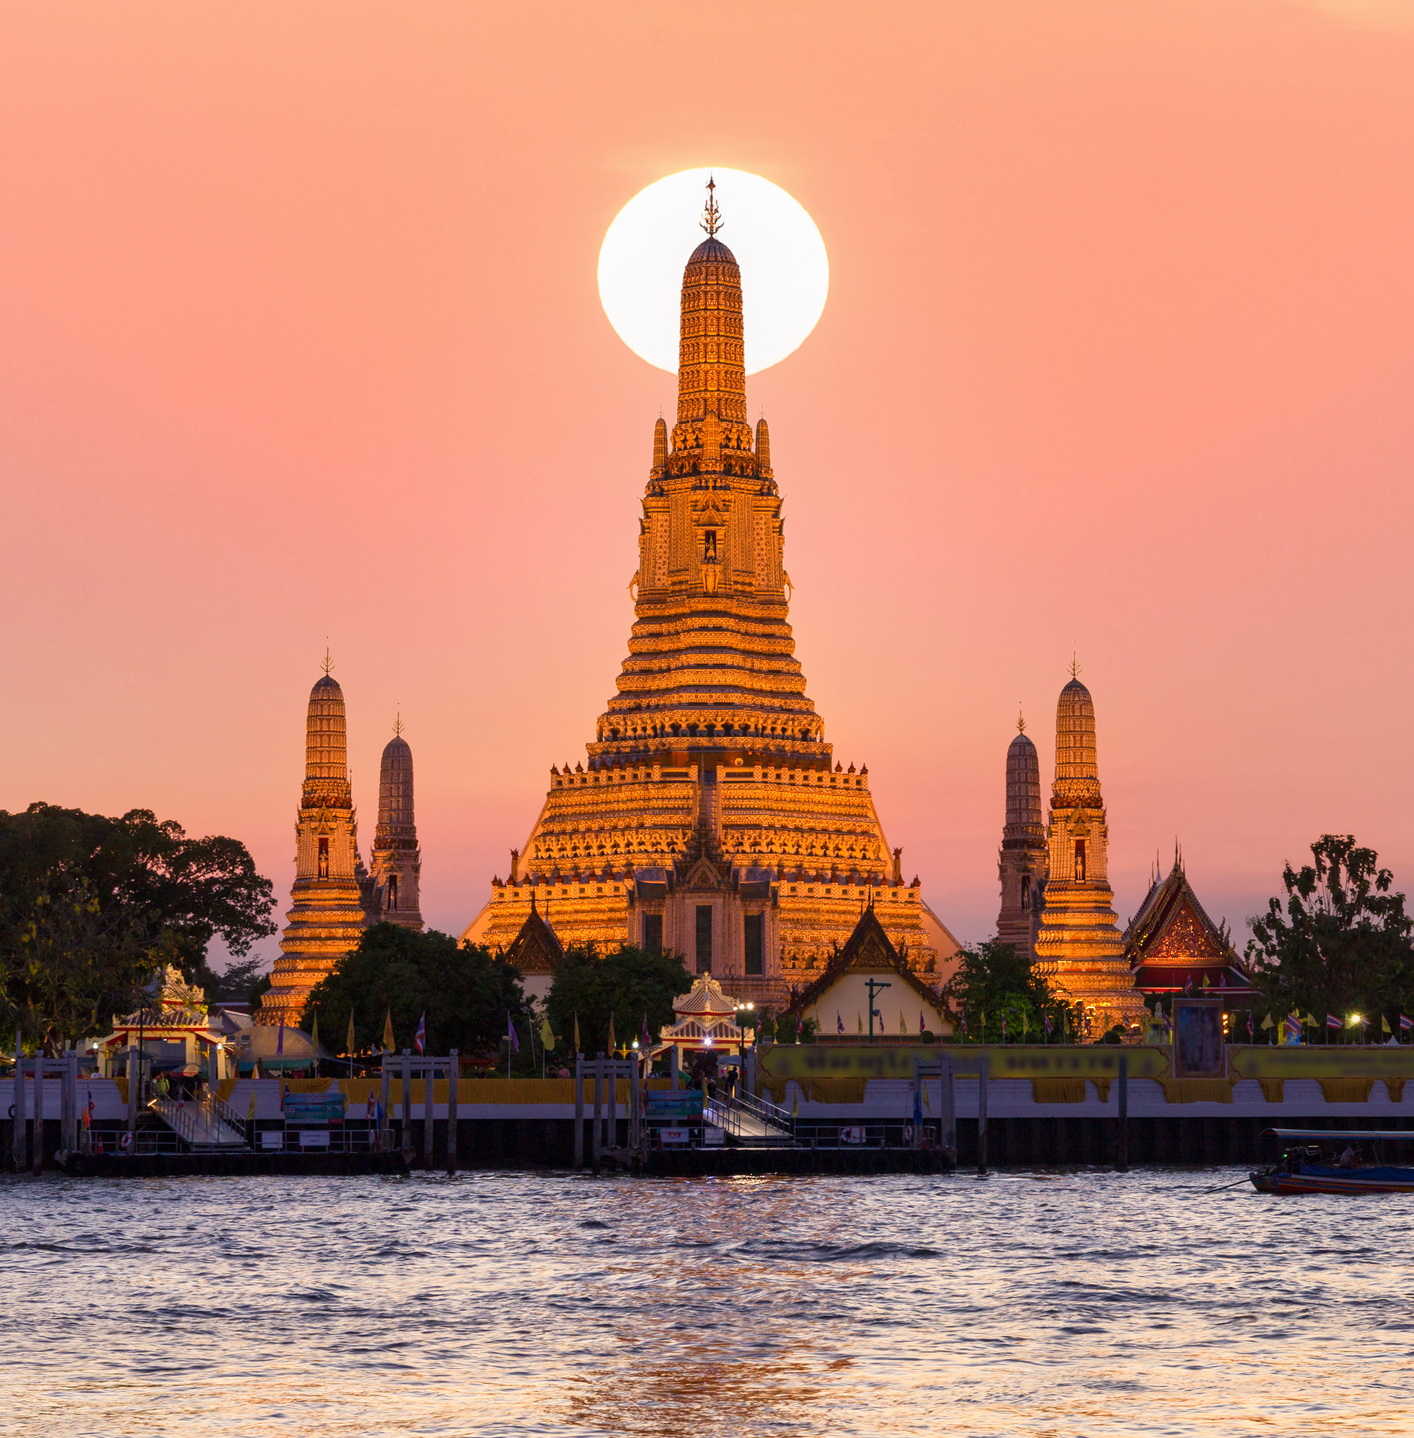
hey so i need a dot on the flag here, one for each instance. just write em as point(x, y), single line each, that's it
point(858, 1022)
point(88, 1113)
point(419, 1039)
point(547, 1034)
point(1250, 1029)
point(511, 1032)
point(314, 1037)
point(577, 1047)
point(922, 1028)
point(902, 1024)
point(1048, 1026)
point(1333, 1021)
point(388, 1041)
point(350, 1043)
point(1291, 1029)
point(1405, 1022)
point(1003, 1028)
point(611, 1032)
point(280, 1041)
point(250, 1115)
point(927, 1102)
point(1267, 1022)
point(1384, 1025)
point(839, 1022)
point(645, 1040)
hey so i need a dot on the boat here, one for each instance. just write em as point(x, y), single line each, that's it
point(1331, 1160)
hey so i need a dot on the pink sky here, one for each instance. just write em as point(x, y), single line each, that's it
point(299, 336)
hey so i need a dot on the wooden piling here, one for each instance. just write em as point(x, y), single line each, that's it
point(1122, 1119)
point(36, 1148)
point(579, 1110)
point(597, 1131)
point(385, 1110)
point(405, 1118)
point(429, 1092)
point(947, 1106)
point(982, 1075)
point(453, 1102)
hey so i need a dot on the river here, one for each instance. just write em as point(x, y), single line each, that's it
point(1042, 1305)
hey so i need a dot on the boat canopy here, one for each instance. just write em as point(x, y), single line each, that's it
point(1316, 1135)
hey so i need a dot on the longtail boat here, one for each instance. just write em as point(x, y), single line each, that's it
point(1331, 1160)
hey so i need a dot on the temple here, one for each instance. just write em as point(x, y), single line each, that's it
point(327, 915)
point(1021, 862)
point(1173, 947)
point(1079, 948)
point(711, 816)
point(392, 892)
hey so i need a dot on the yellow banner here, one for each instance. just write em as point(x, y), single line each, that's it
point(1322, 1061)
point(895, 1061)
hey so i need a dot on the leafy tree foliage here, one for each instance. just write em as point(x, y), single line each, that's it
point(91, 907)
point(1340, 941)
point(626, 983)
point(997, 990)
point(467, 993)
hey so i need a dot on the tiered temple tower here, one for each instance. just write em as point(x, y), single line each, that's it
point(1079, 946)
point(1022, 860)
point(327, 917)
point(396, 865)
point(711, 817)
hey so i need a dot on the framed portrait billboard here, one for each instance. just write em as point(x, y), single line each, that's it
point(1198, 1047)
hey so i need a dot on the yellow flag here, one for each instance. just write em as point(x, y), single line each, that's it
point(1384, 1025)
point(314, 1037)
point(858, 1022)
point(1267, 1022)
point(578, 1047)
point(547, 1034)
point(350, 1042)
point(902, 1023)
point(388, 1033)
point(611, 1032)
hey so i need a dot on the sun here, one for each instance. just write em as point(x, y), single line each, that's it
point(785, 272)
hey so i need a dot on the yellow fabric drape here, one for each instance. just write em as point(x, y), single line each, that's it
point(1396, 1089)
point(225, 1089)
point(1102, 1089)
point(1058, 1090)
point(1273, 1089)
point(1346, 1090)
point(1197, 1090)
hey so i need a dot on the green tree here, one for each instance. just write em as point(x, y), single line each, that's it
point(996, 986)
point(1339, 941)
point(91, 907)
point(627, 983)
point(467, 993)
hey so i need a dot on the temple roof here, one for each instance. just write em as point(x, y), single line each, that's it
point(1172, 944)
point(535, 949)
point(711, 249)
point(867, 950)
point(704, 998)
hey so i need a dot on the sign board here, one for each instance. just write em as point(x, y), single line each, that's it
point(1198, 1048)
point(315, 1108)
point(675, 1135)
point(272, 1138)
point(314, 1138)
point(674, 1103)
point(713, 1137)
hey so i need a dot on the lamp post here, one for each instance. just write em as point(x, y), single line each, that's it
point(874, 986)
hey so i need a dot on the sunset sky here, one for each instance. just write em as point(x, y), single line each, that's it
point(300, 337)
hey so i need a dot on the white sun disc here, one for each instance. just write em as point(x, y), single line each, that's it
point(785, 273)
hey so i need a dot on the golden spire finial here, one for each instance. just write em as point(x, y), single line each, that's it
point(1020, 722)
point(398, 722)
point(328, 662)
point(711, 216)
point(1074, 666)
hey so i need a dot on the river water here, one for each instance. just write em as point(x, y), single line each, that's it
point(1041, 1305)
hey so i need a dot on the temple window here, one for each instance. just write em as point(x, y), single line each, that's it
point(704, 938)
point(755, 943)
point(1080, 861)
point(653, 933)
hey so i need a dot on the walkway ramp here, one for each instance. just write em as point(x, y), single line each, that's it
point(750, 1121)
point(201, 1123)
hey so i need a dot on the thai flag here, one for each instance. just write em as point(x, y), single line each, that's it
point(1405, 1022)
point(1333, 1022)
point(1291, 1027)
point(419, 1039)
point(839, 1022)
point(922, 1029)
point(511, 1033)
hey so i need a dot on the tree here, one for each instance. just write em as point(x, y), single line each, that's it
point(994, 985)
point(467, 993)
point(627, 983)
point(1340, 941)
point(92, 907)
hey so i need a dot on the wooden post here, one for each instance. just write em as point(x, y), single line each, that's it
point(385, 1099)
point(947, 1107)
point(1122, 1122)
point(134, 1079)
point(633, 1109)
point(69, 1102)
point(453, 1103)
point(429, 1133)
point(613, 1124)
point(36, 1153)
point(579, 1110)
point(405, 1117)
point(17, 1110)
point(597, 1131)
point(982, 1075)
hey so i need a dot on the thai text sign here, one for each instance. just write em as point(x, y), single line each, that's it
point(895, 1061)
point(674, 1103)
point(317, 1108)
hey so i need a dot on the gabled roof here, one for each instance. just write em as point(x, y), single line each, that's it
point(1171, 940)
point(704, 999)
point(535, 949)
point(867, 950)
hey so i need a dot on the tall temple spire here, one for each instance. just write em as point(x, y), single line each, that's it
point(396, 867)
point(1079, 945)
point(711, 730)
point(1022, 863)
point(326, 916)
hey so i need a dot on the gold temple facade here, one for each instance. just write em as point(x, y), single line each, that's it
point(710, 816)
